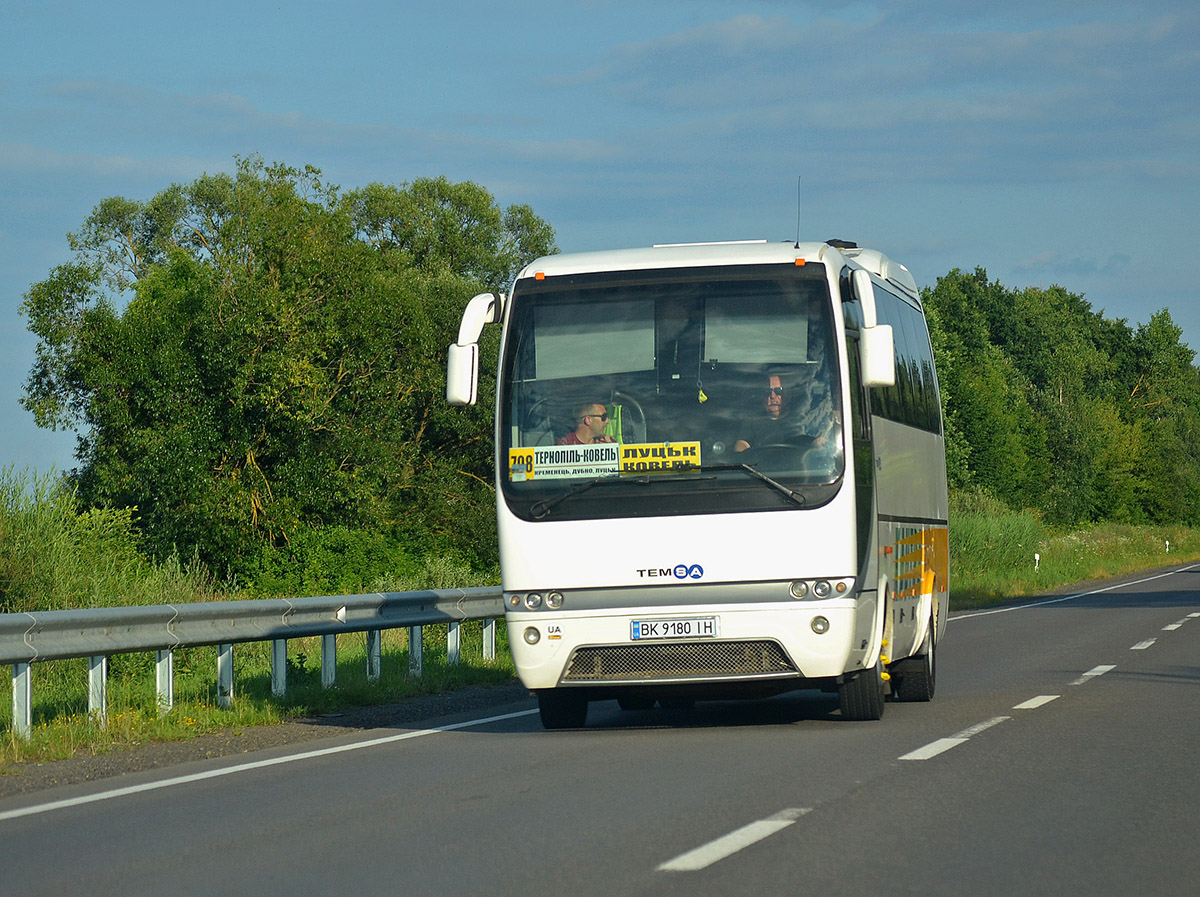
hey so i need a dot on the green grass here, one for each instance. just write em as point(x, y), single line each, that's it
point(52, 556)
point(992, 552)
point(62, 727)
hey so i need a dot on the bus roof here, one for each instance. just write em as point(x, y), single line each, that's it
point(747, 252)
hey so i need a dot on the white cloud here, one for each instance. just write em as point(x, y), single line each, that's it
point(28, 160)
point(1057, 265)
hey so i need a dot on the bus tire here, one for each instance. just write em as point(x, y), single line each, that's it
point(562, 708)
point(917, 676)
point(861, 694)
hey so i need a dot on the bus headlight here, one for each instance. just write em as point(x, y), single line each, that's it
point(820, 625)
point(554, 600)
point(533, 601)
point(532, 636)
point(820, 589)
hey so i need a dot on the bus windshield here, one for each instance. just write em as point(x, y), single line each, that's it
point(664, 387)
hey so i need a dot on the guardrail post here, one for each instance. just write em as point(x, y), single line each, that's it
point(453, 643)
point(416, 651)
point(374, 654)
point(279, 667)
point(225, 676)
point(489, 639)
point(328, 661)
point(22, 687)
point(98, 689)
point(164, 679)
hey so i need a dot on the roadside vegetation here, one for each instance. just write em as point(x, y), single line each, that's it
point(997, 554)
point(253, 366)
point(54, 554)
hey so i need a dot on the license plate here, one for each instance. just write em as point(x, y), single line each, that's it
point(680, 627)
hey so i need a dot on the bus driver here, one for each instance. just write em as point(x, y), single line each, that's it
point(784, 424)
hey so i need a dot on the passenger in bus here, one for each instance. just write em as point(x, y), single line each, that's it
point(591, 419)
point(785, 422)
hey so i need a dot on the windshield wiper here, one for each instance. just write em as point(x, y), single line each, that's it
point(797, 497)
point(542, 508)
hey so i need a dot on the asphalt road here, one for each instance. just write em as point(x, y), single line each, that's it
point(1059, 756)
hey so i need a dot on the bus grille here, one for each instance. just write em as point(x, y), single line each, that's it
point(677, 660)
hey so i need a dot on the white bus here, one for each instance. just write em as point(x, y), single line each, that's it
point(720, 473)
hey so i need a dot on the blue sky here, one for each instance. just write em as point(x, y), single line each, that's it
point(1050, 142)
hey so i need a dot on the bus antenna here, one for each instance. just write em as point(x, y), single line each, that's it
point(798, 180)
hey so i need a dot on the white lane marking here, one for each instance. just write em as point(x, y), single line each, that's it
point(1120, 585)
point(982, 727)
point(1193, 616)
point(944, 744)
point(1142, 646)
point(727, 845)
point(1171, 627)
point(247, 767)
point(1094, 672)
point(1035, 703)
point(933, 748)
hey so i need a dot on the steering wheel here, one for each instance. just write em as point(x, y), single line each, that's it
point(638, 426)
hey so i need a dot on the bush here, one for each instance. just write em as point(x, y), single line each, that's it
point(52, 557)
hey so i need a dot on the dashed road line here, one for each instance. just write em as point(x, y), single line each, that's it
point(739, 839)
point(1034, 703)
point(944, 744)
point(1094, 672)
point(933, 749)
point(1143, 645)
point(1171, 627)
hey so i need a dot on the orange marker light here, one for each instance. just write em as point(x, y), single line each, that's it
point(539, 276)
point(800, 263)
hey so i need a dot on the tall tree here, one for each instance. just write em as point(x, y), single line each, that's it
point(247, 354)
point(1050, 405)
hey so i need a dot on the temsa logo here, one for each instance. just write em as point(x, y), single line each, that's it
point(679, 571)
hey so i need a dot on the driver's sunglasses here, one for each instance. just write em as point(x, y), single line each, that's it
point(603, 416)
point(773, 391)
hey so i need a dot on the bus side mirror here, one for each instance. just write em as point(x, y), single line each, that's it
point(462, 359)
point(877, 355)
point(877, 343)
point(462, 374)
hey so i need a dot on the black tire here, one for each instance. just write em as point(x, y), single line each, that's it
point(861, 694)
point(635, 702)
point(916, 677)
point(562, 708)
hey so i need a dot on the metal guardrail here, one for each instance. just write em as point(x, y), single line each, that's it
point(98, 633)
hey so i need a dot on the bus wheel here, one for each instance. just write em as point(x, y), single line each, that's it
point(861, 694)
point(916, 677)
point(561, 708)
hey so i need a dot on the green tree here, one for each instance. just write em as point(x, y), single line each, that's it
point(1050, 405)
point(253, 354)
point(995, 441)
